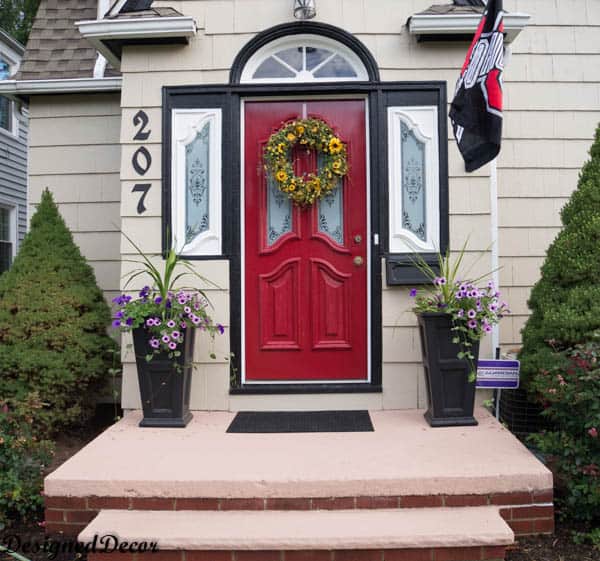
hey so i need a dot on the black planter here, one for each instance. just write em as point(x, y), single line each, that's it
point(450, 394)
point(164, 383)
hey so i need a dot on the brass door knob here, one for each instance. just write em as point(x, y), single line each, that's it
point(358, 261)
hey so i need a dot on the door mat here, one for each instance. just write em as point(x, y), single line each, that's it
point(301, 421)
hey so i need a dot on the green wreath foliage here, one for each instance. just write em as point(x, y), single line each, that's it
point(313, 134)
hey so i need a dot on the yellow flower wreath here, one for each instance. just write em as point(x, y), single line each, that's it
point(314, 134)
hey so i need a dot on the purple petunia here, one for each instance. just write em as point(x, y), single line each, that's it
point(171, 323)
point(129, 322)
point(119, 314)
point(472, 324)
point(175, 335)
point(165, 339)
point(471, 313)
point(439, 281)
point(154, 343)
point(172, 346)
point(413, 292)
point(220, 328)
point(158, 300)
point(187, 310)
point(460, 313)
point(116, 323)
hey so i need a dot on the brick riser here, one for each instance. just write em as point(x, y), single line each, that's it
point(526, 513)
point(428, 554)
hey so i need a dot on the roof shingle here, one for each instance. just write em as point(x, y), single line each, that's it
point(55, 49)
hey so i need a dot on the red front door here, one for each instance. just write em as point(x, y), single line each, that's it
point(306, 270)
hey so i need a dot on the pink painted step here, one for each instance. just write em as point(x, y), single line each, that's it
point(432, 533)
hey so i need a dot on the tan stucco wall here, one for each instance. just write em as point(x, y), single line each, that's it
point(552, 105)
point(74, 151)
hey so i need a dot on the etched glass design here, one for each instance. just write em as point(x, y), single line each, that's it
point(331, 214)
point(414, 188)
point(197, 180)
point(279, 213)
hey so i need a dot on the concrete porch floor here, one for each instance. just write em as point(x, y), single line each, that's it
point(402, 457)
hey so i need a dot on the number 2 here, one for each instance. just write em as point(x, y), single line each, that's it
point(141, 120)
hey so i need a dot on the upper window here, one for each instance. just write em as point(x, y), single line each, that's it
point(6, 106)
point(7, 237)
point(304, 58)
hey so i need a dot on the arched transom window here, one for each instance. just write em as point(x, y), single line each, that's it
point(304, 58)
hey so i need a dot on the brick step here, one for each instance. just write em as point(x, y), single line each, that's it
point(526, 512)
point(434, 534)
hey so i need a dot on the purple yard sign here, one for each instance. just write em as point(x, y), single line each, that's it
point(498, 374)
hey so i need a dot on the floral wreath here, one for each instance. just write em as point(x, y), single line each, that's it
point(314, 134)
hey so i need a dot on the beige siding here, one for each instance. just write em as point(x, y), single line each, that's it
point(552, 105)
point(74, 152)
point(553, 97)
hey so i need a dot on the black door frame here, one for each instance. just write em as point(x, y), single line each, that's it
point(380, 96)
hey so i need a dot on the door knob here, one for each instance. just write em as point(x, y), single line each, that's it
point(358, 261)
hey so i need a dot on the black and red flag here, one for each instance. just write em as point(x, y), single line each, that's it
point(476, 111)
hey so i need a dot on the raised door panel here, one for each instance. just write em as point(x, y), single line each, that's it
point(279, 307)
point(331, 294)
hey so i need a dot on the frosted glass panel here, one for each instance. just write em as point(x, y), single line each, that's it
point(314, 57)
point(331, 214)
point(272, 68)
point(414, 216)
point(279, 213)
point(293, 57)
point(197, 172)
point(337, 67)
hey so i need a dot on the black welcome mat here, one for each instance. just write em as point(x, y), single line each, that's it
point(301, 421)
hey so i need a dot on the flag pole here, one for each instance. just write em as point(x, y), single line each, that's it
point(495, 249)
point(495, 259)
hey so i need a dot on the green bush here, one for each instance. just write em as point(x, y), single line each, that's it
point(570, 394)
point(565, 303)
point(22, 460)
point(53, 321)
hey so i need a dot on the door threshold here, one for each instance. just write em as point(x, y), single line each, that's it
point(269, 389)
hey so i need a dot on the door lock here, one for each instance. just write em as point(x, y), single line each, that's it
point(358, 261)
point(357, 238)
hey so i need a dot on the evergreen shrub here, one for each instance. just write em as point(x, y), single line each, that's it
point(53, 325)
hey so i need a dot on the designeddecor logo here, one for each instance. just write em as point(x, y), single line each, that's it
point(14, 547)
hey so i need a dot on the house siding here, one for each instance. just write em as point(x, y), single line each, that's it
point(552, 105)
point(75, 153)
point(13, 172)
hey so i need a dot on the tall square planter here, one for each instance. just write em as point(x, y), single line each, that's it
point(450, 394)
point(164, 383)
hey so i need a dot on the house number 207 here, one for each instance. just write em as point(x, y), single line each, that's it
point(141, 159)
